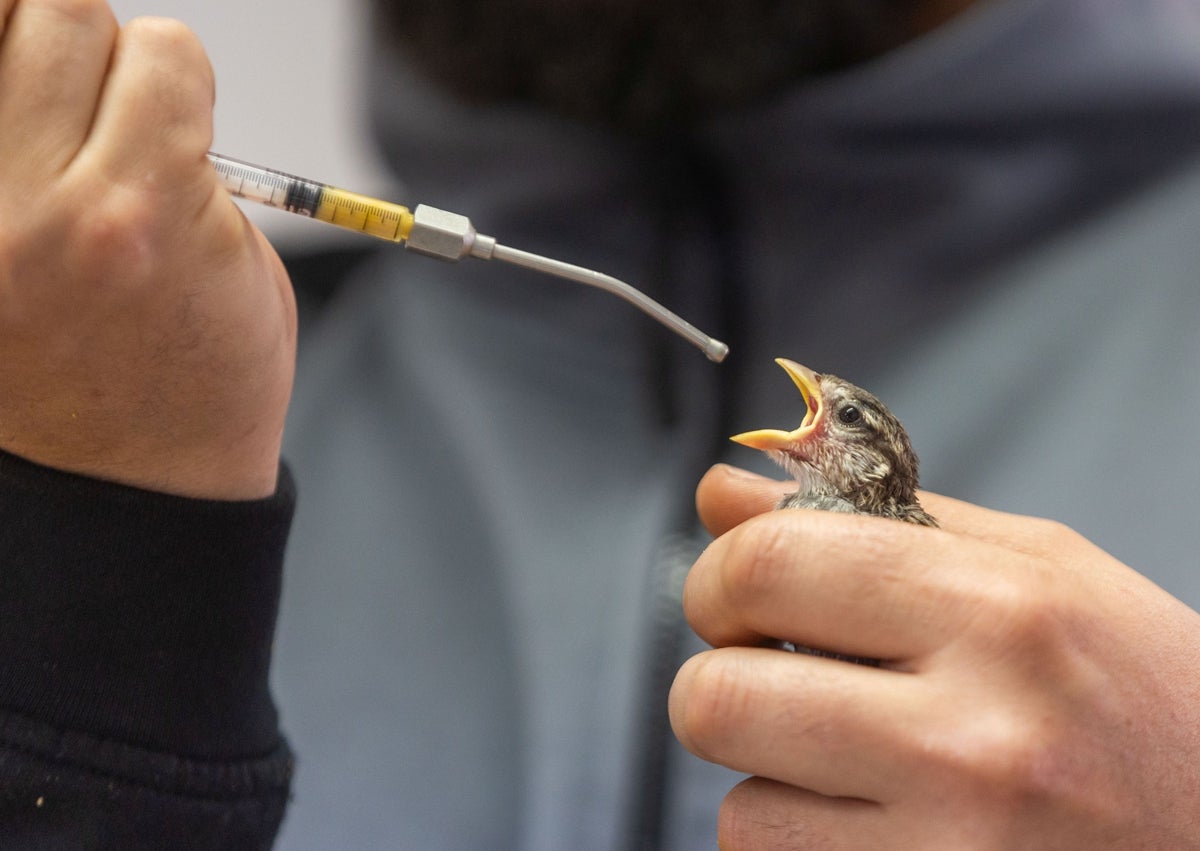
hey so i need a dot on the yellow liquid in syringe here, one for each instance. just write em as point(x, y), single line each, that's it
point(362, 213)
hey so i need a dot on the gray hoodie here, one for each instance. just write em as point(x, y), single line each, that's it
point(994, 229)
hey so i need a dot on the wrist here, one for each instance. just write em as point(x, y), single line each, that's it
point(206, 464)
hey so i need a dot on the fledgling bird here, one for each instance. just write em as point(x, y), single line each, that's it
point(849, 454)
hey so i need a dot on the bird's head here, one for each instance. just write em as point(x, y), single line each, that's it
point(848, 444)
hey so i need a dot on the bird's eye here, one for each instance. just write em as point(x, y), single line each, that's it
point(849, 415)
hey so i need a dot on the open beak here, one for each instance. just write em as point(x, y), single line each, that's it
point(809, 383)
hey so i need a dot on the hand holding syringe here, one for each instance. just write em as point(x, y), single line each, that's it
point(147, 331)
point(429, 231)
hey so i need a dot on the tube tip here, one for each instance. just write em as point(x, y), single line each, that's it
point(715, 350)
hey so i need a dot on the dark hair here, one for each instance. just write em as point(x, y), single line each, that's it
point(638, 64)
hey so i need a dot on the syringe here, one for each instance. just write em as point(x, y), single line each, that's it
point(428, 230)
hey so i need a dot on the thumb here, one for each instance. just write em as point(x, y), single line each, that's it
point(728, 496)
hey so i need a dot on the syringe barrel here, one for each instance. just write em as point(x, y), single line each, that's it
point(265, 186)
point(294, 194)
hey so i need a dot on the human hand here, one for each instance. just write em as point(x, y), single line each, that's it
point(1034, 693)
point(147, 330)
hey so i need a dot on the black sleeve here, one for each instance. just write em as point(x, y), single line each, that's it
point(135, 640)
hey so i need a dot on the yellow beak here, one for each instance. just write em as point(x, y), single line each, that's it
point(809, 383)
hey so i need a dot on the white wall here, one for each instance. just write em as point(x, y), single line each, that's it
point(288, 77)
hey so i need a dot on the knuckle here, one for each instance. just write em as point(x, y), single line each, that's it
point(173, 43)
point(1054, 535)
point(1018, 761)
point(736, 827)
point(1015, 768)
point(762, 556)
point(712, 707)
point(1021, 614)
point(167, 33)
point(754, 816)
point(118, 235)
point(995, 756)
point(82, 12)
point(1033, 625)
point(739, 824)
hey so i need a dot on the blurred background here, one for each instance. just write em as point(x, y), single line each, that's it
point(289, 84)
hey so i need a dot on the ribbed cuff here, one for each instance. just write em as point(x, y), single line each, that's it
point(138, 616)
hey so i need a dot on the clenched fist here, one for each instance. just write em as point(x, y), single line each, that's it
point(147, 330)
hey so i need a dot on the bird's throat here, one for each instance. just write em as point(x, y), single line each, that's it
point(808, 480)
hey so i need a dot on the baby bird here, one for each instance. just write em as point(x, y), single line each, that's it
point(849, 454)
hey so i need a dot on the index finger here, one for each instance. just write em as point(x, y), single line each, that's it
point(854, 585)
point(156, 109)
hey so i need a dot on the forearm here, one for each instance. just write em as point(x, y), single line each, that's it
point(135, 635)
